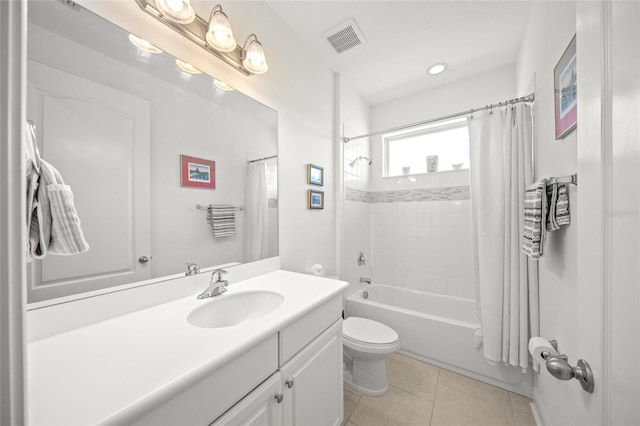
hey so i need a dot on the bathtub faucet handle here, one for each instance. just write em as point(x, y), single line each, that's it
point(361, 260)
point(365, 280)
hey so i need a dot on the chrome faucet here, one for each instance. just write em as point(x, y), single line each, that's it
point(217, 285)
point(365, 280)
point(192, 269)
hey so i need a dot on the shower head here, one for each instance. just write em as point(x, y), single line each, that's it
point(351, 164)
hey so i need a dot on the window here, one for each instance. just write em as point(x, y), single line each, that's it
point(406, 152)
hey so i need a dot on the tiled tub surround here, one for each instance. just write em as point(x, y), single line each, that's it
point(405, 195)
point(424, 245)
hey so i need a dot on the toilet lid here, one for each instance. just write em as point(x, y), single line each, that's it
point(368, 331)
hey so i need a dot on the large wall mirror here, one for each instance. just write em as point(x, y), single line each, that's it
point(115, 120)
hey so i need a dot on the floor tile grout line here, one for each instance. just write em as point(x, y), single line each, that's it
point(435, 395)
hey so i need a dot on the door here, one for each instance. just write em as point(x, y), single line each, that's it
point(608, 294)
point(312, 382)
point(262, 407)
point(98, 138)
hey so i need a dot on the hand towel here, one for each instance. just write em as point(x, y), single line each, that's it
point(54, 226)
point(222, 220)
point(535, 212)
point(558, 214)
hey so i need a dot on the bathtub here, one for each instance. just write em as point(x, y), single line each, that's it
point(438, 329)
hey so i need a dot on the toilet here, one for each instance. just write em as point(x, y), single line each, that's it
point(366, 344)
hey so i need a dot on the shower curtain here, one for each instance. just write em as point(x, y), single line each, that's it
point(256, 236)
point(500, 148)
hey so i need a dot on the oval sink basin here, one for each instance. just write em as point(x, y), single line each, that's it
point(232, 309)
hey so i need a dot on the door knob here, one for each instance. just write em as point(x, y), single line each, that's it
point(143, 259)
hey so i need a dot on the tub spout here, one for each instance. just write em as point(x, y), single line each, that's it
point(365, 280)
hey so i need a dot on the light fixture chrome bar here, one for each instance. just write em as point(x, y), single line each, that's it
point(196, 31)
point(528, 98)
point(261, 159)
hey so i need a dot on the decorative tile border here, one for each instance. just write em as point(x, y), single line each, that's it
point(447, 193)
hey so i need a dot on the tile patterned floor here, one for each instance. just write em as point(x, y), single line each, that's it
point(421, 394)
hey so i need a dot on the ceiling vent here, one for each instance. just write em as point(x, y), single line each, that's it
point(345, 36)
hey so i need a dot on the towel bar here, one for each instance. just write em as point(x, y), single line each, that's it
point(206, 206)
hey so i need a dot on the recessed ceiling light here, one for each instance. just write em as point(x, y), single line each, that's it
point(143, 44)
point(438, 68)
point(187, 67)
point(222, 85)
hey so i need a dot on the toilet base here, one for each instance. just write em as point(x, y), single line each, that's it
point(365, 373)
point(365, 391)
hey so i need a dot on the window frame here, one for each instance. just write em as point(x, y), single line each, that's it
point(431, 128)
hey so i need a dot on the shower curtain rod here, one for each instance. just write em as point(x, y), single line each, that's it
point(529, 98)
point(261, 159)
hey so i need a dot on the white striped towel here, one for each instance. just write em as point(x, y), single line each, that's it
point(535, 211)
point(54, 226)
point(222, 220)
point(558, 214)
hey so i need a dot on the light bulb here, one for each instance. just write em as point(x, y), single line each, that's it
point(187, 67)
point(222, 85)
point(220, 36)
point(178, 11)
point(255, 61)
point(175, 5)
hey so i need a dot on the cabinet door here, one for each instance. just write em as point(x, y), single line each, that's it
point(312, 382)
point(262, 407)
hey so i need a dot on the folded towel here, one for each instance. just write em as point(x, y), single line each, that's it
point(558, 214)
point(222, 220)
point(535, 211)
point(54, 226)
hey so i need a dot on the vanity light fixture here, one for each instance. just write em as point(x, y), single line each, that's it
point(143, 44)
point(187, 67)
point(215, 35)
point(222, 85)
point(438, 68)
point(253, 58)
point(178, 11)
point(219, 33)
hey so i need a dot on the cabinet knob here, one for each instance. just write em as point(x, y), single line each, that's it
point(279, 397)
point(289, 383)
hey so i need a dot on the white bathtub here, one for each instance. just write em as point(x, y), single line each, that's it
point(438, 329)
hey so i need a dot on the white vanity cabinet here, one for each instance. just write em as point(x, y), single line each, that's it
point(312, 382)
point(262, 407)
point(307, 389)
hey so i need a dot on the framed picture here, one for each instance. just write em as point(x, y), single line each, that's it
point(316, 199)
point(566, 91)
point(315, 175)
point(197, 172)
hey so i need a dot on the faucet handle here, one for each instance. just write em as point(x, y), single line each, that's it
point(192, 269)
point(220, 272)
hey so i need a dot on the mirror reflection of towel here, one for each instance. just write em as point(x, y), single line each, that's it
point(54, 225)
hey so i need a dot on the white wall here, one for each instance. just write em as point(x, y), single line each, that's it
point(296, 86)
point(541, 50)
point(179, 232)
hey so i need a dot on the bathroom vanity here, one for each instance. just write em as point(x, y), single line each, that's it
point(269, 351)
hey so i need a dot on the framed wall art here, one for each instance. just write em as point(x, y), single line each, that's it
point(315, 199)
point(197, 172)
point(566, 92)
point(315, 175)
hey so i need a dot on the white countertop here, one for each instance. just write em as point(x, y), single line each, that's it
point(114, 371)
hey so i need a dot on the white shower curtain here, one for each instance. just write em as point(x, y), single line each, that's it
point(500, 146)
point(256, 236)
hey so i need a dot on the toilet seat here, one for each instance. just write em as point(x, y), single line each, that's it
point(370, 336)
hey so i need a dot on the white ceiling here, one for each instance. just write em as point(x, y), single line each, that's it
point(405, 37)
